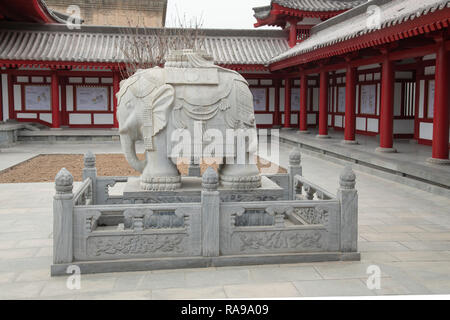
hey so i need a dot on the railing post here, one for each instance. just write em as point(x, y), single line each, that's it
point(348, 198)
point(63, 218)
point(294, 169)
point(210, 213)
point(90, 171)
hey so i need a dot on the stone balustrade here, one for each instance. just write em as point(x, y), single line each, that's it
point(98, 234)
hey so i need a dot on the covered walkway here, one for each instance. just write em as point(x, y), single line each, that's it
point(409, 165)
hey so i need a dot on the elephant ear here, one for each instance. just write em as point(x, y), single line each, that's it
point(156, 120)
point(142, 87)
point(163, 100)
point(124, 86)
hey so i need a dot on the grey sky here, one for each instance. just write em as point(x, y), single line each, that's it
point(235, 14)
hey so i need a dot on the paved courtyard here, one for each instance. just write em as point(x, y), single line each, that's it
point(402, 230)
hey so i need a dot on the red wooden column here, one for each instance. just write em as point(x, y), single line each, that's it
point(11, 111)
point(292, 32)
point(350, 105)
point(303, 121)
point(387, 106)
point(287, 103)
point(116, 88)
point(323, 105)
point(420, 71)
point(441, 106)
point(55, 100)
point(64, 114)
point(1, 97)
point(276, 114)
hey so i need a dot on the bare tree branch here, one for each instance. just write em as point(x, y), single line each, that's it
point(144, 47)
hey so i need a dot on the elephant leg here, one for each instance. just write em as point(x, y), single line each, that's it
point(160, 173)
point(241, 176)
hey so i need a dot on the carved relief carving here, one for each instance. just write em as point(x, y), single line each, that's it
point(279, 240)
point(91, 221)
point(136, 245)
point(314, 215)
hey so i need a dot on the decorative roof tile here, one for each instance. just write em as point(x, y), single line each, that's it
point(308, 5)
point(350, 25)
point(103, 44)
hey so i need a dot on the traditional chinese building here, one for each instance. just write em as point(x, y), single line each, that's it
point(377, 68)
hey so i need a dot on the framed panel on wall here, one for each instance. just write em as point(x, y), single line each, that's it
point(431, 94)
point(259, 98)
point(92, 98)
point(341, 100)
point(295, 99)
point(368, 99)
point(37, 98)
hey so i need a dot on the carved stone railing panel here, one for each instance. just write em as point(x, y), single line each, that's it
point(281, 179)
point(88, 228)
point(296, 226)
point(83, 195)
point(306, 190)
point(138, 236)
point(150, 219)
point(103, 185)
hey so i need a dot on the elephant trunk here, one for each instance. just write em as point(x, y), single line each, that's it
point(129, 147)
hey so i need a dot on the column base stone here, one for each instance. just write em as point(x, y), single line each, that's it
point(350, 142)
point(323, 136)
point(386, 150)
point(304, 132)
point(442, 162)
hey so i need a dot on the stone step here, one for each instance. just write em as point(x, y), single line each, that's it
point(68, 135)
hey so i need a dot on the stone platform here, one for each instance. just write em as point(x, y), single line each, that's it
point(191, 192)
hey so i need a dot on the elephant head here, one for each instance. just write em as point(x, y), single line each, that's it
point(143, 105)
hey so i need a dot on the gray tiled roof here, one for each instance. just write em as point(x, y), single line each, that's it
point(102, 44)
point(350, 25)
point(309, 5)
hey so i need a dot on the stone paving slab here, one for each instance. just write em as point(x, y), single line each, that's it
point(403, 230)
point(329, 288)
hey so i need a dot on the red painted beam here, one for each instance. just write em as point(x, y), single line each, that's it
point(279, 14)
point(26, 11)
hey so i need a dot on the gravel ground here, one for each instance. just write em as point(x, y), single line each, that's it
point(44, 168)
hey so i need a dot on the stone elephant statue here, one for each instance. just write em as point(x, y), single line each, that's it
point(189, 91)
